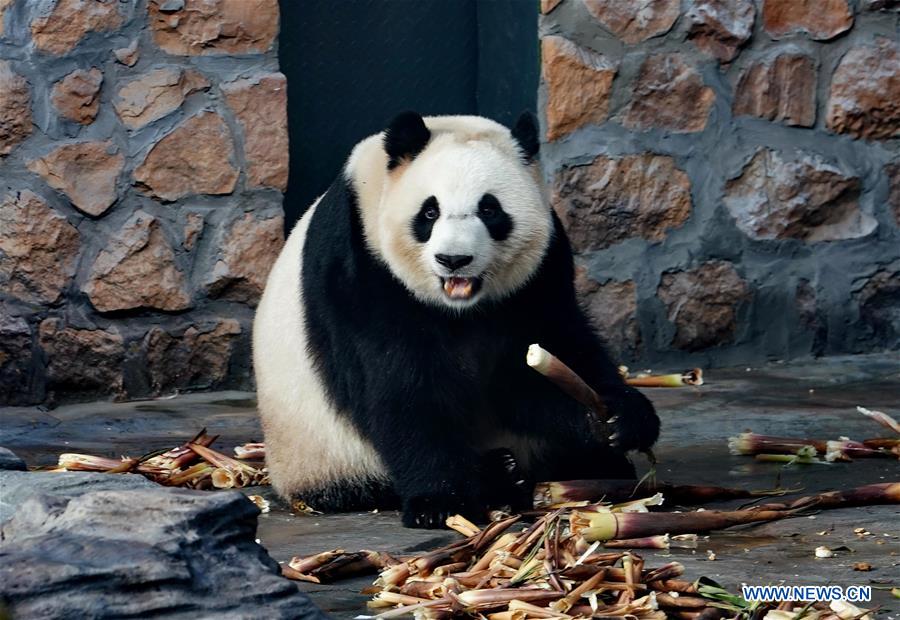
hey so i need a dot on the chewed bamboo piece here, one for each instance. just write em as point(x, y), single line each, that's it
point(566, 379)
point(882, 418)
point(251, 451)
point(692, 377)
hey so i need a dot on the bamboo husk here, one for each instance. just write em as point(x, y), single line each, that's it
point(251, 451)
point(692, 377)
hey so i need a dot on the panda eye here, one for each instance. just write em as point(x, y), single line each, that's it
point(431, 213)
point(487, 210)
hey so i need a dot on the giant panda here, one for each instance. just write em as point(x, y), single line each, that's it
point(389, 344)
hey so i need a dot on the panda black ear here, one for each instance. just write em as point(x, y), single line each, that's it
point(405, 138)
point(525, 132)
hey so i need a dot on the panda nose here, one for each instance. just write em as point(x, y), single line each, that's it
point(453, 261)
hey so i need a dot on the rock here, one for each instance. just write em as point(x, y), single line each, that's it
point(865, 93)
point(636, 20)
point(195, 158)
point(193, 228)
point(578, 83)
point(249, 250)
point(614, 199)
point(82, 360)
point(129, 55)
point(38, 249)
point(77, 96)
point(613, 309)
point(820, 19)
point(15, 109)
point(149, 552)
point(85, 172)
point(9, 461)
point(214, 27)
point(16, 363)
point(18, 487)
point(59, 31)
point(549, 5)
point(136, 269)
point(702, 304)
point(811, 319)
point(260, 105)
point(721, 27)
point(669, 94)
point(879, 306)
point(892, 172)
point(4, 4)
point(197, 359)
point(782, 89)
point(156, 94)
point(806, 199)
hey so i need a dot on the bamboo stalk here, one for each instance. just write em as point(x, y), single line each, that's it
point(566, 379)
point(552, 493)
point(692, 377)
point(647, 542)
point(751, 443)
point(612, 525)
point(884, 443)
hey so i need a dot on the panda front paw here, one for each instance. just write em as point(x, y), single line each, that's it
point(431, 511)
point(632, 423)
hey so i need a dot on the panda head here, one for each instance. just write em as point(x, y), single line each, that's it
point(457, 211)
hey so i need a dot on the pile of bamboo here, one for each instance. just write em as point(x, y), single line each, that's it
point(193, 464)
point(549, 569)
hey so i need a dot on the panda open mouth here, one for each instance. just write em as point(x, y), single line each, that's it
point(460, 288)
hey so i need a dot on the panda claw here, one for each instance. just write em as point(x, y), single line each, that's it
point(613, 420)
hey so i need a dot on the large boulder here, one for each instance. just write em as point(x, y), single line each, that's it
point(152, 552)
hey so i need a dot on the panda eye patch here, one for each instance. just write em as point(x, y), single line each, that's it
point(492, 215)
point(425, 219)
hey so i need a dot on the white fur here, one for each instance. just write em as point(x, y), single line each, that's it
point(308, 445)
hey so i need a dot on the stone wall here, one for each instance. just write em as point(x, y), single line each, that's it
point(143, 156)
point(729, 172)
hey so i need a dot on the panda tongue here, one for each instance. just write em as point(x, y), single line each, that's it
point(458, 288)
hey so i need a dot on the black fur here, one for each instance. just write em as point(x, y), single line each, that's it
point(526, 133)
point(495, 219)
point(423, 384)
point(405, 138)
point(423, 222)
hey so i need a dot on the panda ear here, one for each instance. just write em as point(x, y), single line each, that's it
point(525, 133)
point(405, 138)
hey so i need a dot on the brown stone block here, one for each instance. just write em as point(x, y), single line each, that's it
point(669, 94)
point(634, 21)
point(82, 360)
point(260, 105)
point(702, 303)
point(136, 269)
point(38, 249)
point(820, 19)
point(15, 109)
point(578, 83)
point(85, 172)
point(195, 158)
point(782, 89)
point(70, 21)
point(612, 308)
point(207, 27)
point(248, 251)
point(865, 92)
point(806, 199)
point(196, 359)
point(156, 94)
point(614, 199)
point(721, 27)
point(77, 95)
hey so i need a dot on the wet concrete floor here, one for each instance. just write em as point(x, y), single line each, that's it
point(815, 399)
